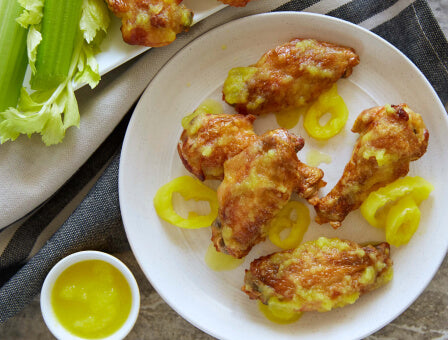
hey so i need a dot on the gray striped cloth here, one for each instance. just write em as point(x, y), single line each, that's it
point(30, 250)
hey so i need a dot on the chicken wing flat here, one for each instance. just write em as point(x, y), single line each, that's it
point(258, 182)
point(208, 140)
point(151, 23)
point(319, 275)
point(390, 138)
point(289, 76)
point(235, 3)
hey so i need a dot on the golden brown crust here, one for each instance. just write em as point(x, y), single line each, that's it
point(319, 275)
point(390, 138)
point(217, 138)
point(310, 181)
point(292, 75)
point(151, 23)
point(258, 182)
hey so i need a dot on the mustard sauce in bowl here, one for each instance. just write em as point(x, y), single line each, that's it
point(90, 295)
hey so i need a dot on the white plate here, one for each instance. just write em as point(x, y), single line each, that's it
point(173, 259)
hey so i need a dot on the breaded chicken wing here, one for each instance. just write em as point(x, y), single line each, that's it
point(235, 3)
point(151, 23)
point(258, 182)
point(319, 275)
point(289, 76)
point(390, 138)
point(208, 140)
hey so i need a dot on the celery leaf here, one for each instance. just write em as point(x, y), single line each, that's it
point(94, 23)
point(31, 17)
point(71, 112)
point(33, 116)
point(32, 13)
point(33, 40)
point(88, 71)
point(94, 18)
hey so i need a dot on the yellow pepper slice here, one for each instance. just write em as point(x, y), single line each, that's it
point(375, 207)
point(189, 188)
point(278, 312)
point(402, 221)
point(328, 102)
point(298, 225)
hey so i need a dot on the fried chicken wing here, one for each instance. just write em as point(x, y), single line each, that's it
point(319, 275)
point(289, 76)
point(258, 182)
point(390, 138)
point(260, 173)
point(235, 3)
point(208, 140)
point(151, 23)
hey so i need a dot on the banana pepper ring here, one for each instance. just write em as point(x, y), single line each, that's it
point(374, 208)
point(189, 188)
point(402, 221)
point(328, 102)
point(297, 226)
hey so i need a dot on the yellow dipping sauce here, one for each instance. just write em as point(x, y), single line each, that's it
point(219, 261)
point(277, 313)
point(315, 158)
point(289, 118)
point(91, 299)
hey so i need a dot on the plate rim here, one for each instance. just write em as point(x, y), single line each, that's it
point(133, 119)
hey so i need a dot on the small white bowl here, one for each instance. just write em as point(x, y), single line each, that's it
point(45, 298)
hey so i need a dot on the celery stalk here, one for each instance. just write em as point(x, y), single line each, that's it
point(13, 58)
point(60, 27)
point(50, 112)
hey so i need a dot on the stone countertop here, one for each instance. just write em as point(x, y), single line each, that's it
point(426, 318)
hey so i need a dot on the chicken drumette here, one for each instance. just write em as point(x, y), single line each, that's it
point(390, 138)
point(151, 22)
point(208, 140)
point(289, 76)
point(319, 275)
point(258, 182)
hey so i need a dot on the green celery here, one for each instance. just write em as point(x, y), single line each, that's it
point(50, 112)
point(13, 58)
point(60, 27)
